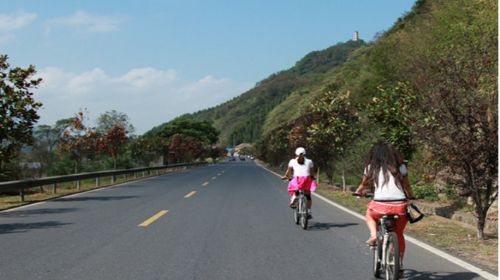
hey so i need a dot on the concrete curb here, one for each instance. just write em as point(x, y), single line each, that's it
point(481, 272)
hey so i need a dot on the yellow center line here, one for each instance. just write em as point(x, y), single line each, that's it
point(205, 184)
point(154, 218)
point(190, 194)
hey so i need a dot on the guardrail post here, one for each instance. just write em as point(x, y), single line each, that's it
point(126, 177)
point(54, 186)
point(97, 182)
point(143, 174)
point(21, 194)
point(77, 185)
point(113, 179)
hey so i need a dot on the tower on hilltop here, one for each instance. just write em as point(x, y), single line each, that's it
point(356, 36)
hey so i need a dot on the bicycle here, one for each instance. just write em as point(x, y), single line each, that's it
point(300, 214)
point(300, 211)
point(386, 256)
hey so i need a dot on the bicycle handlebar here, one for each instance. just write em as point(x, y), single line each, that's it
point(362, 194)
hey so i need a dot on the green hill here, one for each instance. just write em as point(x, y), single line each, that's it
point(428, 85)
point(241, 119)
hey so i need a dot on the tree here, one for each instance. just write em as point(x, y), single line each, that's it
point(452, 63)
point(201, 130)
point(79, 140)
point(45, 142)
point(185, 133)
point(18, 110)
point(113, 141)
point(112, 118)
point(185, 148)
point(334, 127)
point(146, 149)
point(393, 108)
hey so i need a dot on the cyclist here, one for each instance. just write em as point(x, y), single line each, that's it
point(303, 177)
point(385, 169)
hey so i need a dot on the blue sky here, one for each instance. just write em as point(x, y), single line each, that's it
point(155, 60)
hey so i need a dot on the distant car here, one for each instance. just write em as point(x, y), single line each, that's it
point(242, 158)
point(231, 159)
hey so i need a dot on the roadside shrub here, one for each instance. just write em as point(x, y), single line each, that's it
point(426, 192)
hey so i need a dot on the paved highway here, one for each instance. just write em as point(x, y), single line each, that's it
point(225, 221)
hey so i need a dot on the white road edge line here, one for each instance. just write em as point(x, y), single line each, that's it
point(448, 257)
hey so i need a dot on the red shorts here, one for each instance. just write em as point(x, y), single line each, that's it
point(377, 209)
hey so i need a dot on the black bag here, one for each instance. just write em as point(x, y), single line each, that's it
point(413, 213)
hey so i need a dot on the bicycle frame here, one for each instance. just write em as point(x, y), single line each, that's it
point(385, 229)
point(385, 232)
point(386, 225)
point(300, 212)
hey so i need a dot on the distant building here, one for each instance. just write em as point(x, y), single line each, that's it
point(356, 36)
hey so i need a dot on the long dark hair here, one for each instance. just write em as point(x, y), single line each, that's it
point(383, 156)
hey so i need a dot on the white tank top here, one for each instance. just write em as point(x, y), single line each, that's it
point(389, 190)
point(301, 169)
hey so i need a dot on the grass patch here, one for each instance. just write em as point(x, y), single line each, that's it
point(449, 235)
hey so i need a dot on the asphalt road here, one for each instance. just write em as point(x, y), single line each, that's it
point(234, 224)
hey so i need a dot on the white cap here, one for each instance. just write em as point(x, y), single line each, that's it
point(300, 151)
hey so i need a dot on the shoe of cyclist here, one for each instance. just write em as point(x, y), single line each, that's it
point(309, 214)
point(293, 202)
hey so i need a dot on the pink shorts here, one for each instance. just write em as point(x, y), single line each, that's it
point(301, 183)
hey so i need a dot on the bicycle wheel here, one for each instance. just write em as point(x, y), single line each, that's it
point(392, 257)
point(296, 214)
point(303, 212)
point(377, 257)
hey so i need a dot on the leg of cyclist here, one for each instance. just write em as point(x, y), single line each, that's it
point(372, 218)
point(400, 228)
point(293, 198)
point(309, 199)
point(307, 194)
point(371, 221)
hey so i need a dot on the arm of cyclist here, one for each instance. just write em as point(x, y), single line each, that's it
point(312, 173)
point(363, 186)
point(407, 188)
point(287, 173)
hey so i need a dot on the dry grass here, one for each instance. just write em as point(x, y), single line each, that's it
point(454, 237)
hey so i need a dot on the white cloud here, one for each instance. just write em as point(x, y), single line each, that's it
point(84, 21)
point(148, 96)
point(147, 77)
point(11, 22)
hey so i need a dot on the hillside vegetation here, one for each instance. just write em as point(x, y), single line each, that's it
point(428, 85)
point(241, 119)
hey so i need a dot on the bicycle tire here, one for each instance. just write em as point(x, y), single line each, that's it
point(392, 257)
point(296, 214)
point(377, 257)
point(303, 212)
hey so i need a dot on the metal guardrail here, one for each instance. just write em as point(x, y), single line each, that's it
point(22, 185)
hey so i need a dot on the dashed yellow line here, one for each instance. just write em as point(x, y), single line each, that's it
point(220, 174)
point(190, 194)
point(154, 218)
point(205, 184)
point(213, 178)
